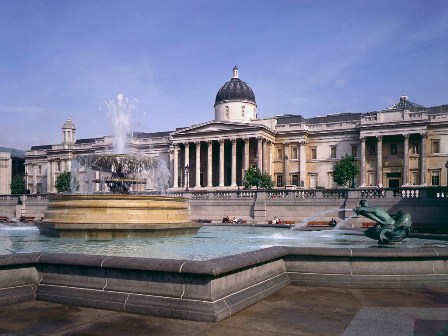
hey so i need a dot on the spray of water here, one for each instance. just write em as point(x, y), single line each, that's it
point(119, 173)
point(119, 113)
point(320, 214)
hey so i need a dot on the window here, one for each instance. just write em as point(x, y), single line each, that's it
point(40, 169)
point(59, 166)
point(279, 154)
point(372, 150)
point(313, 153)
point(435, 177)
point(279, 181)
point(414, 178)
point(295, 180)
point(435, 146)
point(333, 152)
point(295, 153)
point(414, 148)
point(354, 150)
point(313, 180)
point(372, 178)
point(393, 149)
point(331, 182)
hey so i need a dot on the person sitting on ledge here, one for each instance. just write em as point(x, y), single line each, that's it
point(332, 223)
point(226, 219)
point(234, 220)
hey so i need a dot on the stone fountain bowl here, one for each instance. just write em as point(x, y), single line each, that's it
point(116, 216)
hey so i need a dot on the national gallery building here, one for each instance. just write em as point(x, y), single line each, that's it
point(404, 144)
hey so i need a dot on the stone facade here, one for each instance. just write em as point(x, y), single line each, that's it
point(5, 172)
point(405, 144)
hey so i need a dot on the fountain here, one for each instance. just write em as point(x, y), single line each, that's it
point(117, 195)
point(390, 228)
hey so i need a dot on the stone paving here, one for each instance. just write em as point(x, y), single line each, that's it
point(294, 310)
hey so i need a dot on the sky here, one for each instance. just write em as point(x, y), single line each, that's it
point(65, 58)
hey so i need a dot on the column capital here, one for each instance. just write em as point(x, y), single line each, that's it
point(286, 144)
point(221, 141)
point(209, 142)
point(186, 144)
point(260, 138)
point(197, 143)
point(302, 143)
point(424, 135)
point(406, 136)
point(363, 139)
point(379, 137)
point(246, 140)
point(233, 140)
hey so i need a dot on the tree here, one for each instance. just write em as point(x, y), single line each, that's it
point(254, 178)
point(345, 171)
point(63, 182)
point(17, 185)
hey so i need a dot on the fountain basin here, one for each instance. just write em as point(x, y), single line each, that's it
point(214, 289)
point(116, 216)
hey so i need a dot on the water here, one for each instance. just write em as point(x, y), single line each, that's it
point(319, 214)
point(119, 172)
point(211, 242)
point(120, 112)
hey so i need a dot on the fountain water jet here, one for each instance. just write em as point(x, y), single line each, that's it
point(107, 199)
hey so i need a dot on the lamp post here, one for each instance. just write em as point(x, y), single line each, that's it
point(446, 166)
point(186, 177)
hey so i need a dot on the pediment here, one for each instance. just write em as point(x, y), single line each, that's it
point(218, 128)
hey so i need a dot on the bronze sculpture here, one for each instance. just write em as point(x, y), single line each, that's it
point(390, 228)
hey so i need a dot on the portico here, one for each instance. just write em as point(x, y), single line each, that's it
point(216, 154)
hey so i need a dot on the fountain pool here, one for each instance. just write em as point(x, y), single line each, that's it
point(210, 242)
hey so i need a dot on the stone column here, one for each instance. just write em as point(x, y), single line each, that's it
point(198, 164)
point(260, 153)
point(263, 150)
point(406, 159)
point(363, 161)
point(423, 160)
point(187, 163)
point(233, 184)
point(286, 163)
point(34, 168)
point(302, 158)
point(209, 163)
point(246, 154)
point(270, 159)
point(49, 177)
point(176, 166)
point(379, 158)
point(221, 162)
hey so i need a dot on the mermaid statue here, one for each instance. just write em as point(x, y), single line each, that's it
point(389, 228)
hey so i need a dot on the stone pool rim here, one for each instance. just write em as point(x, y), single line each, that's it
point(210, 290)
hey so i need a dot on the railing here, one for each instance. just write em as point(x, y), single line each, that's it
point(337, 193)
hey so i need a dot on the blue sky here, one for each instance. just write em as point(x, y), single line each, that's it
point(64, 58)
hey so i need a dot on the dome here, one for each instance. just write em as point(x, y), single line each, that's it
point(69, 124)
point(235, 90)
